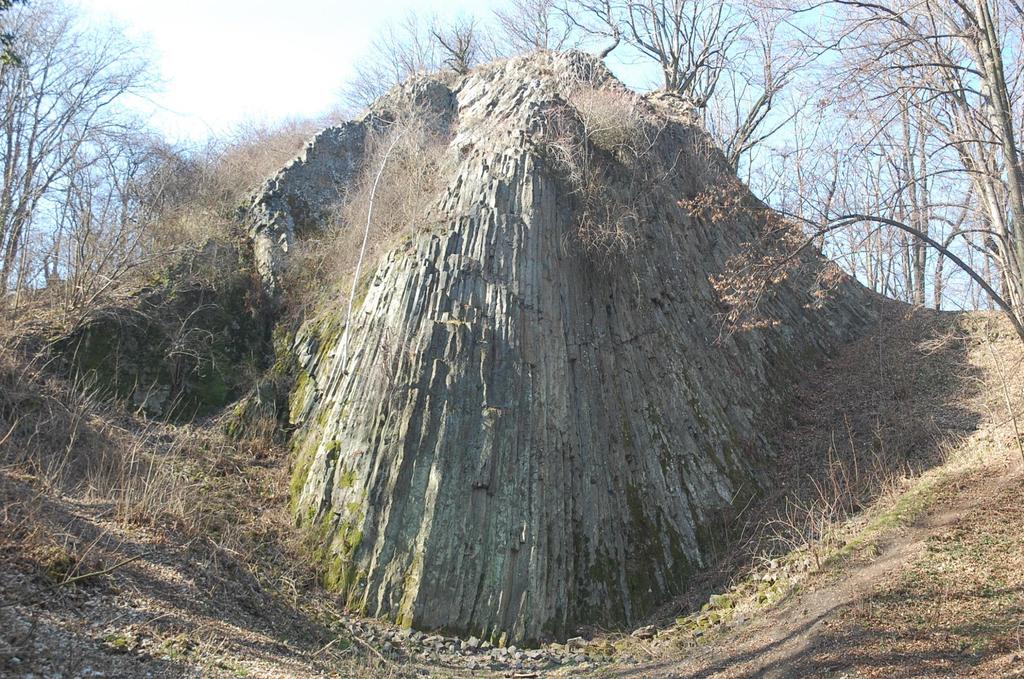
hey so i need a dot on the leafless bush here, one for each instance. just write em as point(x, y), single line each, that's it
point(815, 522)
point(612, 120)
point(603, 146)
point(132, 203)
point(407, 158)
point(402, 176)
point(818, 523)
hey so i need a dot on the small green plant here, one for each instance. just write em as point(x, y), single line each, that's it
point(119, 641)
point(59, 563)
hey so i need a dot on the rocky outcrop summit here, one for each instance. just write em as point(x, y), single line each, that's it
point(539, 420)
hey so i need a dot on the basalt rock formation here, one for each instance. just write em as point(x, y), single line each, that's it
point(538, 419)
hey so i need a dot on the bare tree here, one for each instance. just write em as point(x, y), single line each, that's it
point(102, 218)
point(416, 45)
point(742, 111)
point(60, 99)
point(459, 42)
point(728, 59)
point(529, 25)
point(931, 79)
point(8, 57)
point(690, 39)
point(600, 19)
point(401, 50)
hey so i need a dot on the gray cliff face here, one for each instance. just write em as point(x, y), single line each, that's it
point(299, 198)
point(528, 436)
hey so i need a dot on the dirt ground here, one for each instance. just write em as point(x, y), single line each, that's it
point(927, 581)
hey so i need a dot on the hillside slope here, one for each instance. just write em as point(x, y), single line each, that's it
point(920, 575)
point(926, 579)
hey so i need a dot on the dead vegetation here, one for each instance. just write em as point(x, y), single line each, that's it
point(69, 442)
point(888, 546)
point(143, 547)
point(117, 227)
point(602, 143)
point(777, 251)
point(401, 177)
point(202, 190)
point(865, 428)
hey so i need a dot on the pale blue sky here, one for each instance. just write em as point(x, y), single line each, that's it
point(227, 61)
point(223, 61)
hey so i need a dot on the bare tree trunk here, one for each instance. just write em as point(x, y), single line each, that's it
point(922, 210)
point(1001, 115)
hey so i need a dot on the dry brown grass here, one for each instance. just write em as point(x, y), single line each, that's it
point(602, 143)
point(189, 525)
point(69, 441)
point(208, 187)
point(402, 177)
point(870, 422)
point(403, 174)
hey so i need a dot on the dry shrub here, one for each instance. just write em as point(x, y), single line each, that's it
point(402, 176)
point(816, 522)
point(603, 146)
point(68, 440)
point(755, 275)
point(612, 120)
point(183, 483)
point(202, 191)
point(776, 253)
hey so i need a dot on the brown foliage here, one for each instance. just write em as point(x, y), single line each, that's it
point(776, 254)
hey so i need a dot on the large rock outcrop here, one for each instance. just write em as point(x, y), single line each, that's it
point(301, 196)
point(533, 431)
point(181, 347)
